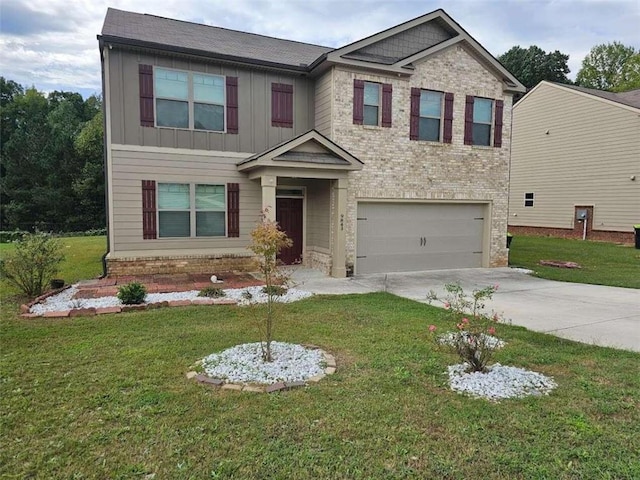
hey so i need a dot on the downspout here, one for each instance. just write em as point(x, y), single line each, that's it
point(104, 148)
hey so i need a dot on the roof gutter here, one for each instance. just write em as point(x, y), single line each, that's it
point(301, 69)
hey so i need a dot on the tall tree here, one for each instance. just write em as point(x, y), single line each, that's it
point(532, 65)
point(613, 67)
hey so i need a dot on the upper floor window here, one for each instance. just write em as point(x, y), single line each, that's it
point(371, 103)
point(189, 100)
point(191, 210)
point(482, 120)
point(430, 115)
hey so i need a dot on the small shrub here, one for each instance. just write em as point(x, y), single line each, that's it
point(247, 295)
point(132, 293)
point(274, 290)
point(474, 339)
point(212, 292)
point(34, 262)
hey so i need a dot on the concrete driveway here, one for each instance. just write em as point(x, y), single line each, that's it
point(606, 316)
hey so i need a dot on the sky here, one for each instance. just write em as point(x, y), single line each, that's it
point(51, 44)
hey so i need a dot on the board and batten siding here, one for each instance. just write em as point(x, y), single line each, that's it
point(588, 156)
point(324, 95)
point(255, 132)
point(130, 167)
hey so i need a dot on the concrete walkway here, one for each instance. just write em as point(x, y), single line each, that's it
point(606, 316)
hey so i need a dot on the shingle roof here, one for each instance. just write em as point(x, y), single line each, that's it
point(630, 98)
point(210, 41)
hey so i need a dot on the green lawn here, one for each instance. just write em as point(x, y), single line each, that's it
point(602, 263)
point(107, 397)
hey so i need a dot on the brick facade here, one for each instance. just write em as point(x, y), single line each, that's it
point(208, 264)
point(396, 167)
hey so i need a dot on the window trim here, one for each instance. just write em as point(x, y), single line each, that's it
point(529, 198)
point(378, 106)
point(190, 100)
point(491, 121)
point(193, 210)
point(440, 118)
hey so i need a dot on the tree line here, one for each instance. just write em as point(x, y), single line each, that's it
point(612, 67)
point(51, 174)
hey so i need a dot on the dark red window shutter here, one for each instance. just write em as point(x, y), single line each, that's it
point(149, 229)
point(387, 95)
point(281, 105)
point(233, 210)
point(414, 123)
point(145, 75)
point(358, 102)
point(232, 104)
point(468, 121)
point(447, 135)
point(497, 130)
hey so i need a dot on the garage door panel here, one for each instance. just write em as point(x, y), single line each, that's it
point(399, 237)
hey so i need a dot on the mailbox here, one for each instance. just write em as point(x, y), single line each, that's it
point(581, 214)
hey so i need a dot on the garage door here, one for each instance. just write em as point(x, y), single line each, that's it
point(402, 237)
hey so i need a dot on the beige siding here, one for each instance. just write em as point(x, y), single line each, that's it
point(129, 168)
point(588, 156)
point(254, 106)
point(324, 93)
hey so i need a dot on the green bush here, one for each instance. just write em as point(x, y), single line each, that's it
point(211, 292)
point(7, 236)
point(274, 290)
point(132, 293)
point(34, 262)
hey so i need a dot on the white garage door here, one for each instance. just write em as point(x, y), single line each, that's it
point(404, 237)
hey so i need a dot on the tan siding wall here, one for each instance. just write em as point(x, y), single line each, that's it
point(131, 167)
point(254, 110)
point(324, 92)
point(396, 167)
point(587, 158)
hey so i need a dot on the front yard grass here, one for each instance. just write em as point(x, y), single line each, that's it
point(602, 263)
point(107, 397)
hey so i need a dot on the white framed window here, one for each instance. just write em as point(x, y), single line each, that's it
point(189, 100)
point(482, 121)
point(431, 105)
point(191, 210)
point(371, 103)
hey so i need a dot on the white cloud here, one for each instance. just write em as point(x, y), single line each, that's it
point(53, 45)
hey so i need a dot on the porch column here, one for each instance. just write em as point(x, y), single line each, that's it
point(268, 183)
point(338, 268)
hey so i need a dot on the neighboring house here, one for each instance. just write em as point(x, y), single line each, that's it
point(574, 151)
point(388, 154)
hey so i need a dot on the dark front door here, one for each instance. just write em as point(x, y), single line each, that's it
point(289, 217)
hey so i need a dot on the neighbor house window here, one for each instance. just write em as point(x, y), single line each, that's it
point(528, 199)
point(371, 103)
point(191, 210)
point(482, 119)
point(430, 115)
point(189, 100)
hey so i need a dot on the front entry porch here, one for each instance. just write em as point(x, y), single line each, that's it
point(304, 188)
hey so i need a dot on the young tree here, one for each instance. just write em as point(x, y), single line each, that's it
point(532, 65)
point(267, 240)
point(613, 67)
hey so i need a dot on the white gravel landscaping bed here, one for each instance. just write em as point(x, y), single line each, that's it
point(499, 382)
point(243, 364)
point(64, 301)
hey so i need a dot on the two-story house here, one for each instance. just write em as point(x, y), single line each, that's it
point(387, 154)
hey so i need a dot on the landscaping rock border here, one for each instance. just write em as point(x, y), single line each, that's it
point(219, 383)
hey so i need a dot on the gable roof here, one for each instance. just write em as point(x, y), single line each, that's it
point(310, 150)
point(626, 99)
point(146, 30)
point(395, 49)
